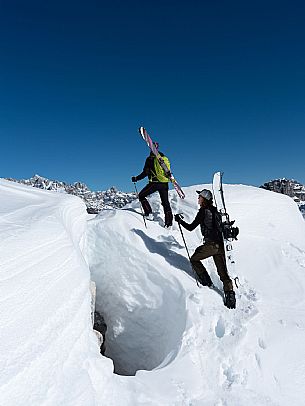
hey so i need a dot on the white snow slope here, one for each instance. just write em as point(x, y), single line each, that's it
point(172, 343)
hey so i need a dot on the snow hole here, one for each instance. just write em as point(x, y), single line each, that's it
point(145, 316)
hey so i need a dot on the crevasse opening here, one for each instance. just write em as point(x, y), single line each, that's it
point(143, 306)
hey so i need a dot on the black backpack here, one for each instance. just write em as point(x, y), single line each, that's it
point(211, 225)
point(215, 229)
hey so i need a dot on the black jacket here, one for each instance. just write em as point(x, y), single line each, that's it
point(207, 218)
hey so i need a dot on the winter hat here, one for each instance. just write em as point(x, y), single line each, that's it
point(205, 193)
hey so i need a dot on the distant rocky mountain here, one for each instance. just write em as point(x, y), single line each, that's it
point(289, 187)
point(113, 198)
point(95, 201)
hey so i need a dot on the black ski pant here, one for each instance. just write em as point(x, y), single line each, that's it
point(153, 187)
point(215, 250)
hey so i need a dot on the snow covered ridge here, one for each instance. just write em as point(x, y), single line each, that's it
point(95, 201)
point(289, 187)
point(177, 343)
point(45, 301)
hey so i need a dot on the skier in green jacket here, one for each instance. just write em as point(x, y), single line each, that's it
point(157, 182)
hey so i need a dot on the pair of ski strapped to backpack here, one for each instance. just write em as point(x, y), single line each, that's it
point(229, 233)
point(161, 161)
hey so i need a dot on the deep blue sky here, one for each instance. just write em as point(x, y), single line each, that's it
point(219, 84)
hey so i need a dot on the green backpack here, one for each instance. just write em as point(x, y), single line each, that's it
point(159, 171)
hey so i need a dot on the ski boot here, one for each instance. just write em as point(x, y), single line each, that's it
point(168, 219)
point(204, 279)
point(230, 300)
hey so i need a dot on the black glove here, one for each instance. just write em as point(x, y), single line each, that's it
point(168, 174)
point(178, 218)
point(134, 179)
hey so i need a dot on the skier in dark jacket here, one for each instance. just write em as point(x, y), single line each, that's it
point(157, 182)
point(213, 245)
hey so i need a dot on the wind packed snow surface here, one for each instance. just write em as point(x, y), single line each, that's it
point(171, 342)
point(45, 340)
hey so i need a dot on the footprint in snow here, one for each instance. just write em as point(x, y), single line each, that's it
point(261, 343)
point(194, 298)
point(220, 328)
point(231, 376)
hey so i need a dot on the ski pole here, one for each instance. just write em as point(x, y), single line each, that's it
point(188, 254)
point(135, 187)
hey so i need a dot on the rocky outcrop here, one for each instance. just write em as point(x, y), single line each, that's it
point(287, 187)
